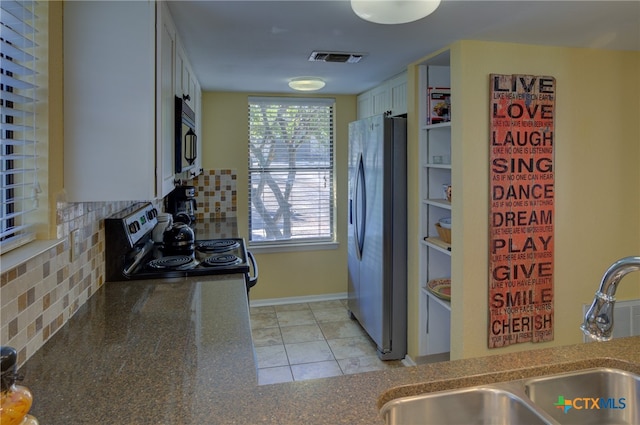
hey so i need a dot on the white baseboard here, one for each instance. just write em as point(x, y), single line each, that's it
point(296, 300)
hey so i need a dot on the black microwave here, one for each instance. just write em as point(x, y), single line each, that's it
point(186, 145)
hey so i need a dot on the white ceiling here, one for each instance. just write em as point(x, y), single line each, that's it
point(257, 46)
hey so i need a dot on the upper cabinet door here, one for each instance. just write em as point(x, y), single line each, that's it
point(398, 94)
point(186, 83)
point(165, 76)
point(110, 101)
point(187, 87)
point(388, 98)
point(123, 67)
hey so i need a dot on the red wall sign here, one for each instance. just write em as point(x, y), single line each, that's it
point(521, 212)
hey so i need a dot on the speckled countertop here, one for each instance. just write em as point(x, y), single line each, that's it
point(180, 352)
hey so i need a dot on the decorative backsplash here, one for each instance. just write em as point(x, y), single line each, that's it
point(38, 296)
point(216, 194)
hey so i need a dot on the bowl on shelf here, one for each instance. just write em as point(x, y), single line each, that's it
point(441, 288)
point(443, 233)
point(445, 222)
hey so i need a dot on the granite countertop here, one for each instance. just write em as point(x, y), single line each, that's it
point(179, 351)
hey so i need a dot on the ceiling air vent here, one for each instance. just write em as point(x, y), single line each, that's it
point(339, 57)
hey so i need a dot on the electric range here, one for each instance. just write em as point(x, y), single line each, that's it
point(131, 253)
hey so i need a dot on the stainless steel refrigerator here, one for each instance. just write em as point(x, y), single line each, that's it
point(377, 231)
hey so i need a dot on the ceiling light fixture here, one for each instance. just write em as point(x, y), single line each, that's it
point(306, 83)
point(393, 11)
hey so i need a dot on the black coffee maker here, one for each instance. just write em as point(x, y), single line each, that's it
point(181, 203)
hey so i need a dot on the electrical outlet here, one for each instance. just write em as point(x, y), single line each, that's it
point(74, 242)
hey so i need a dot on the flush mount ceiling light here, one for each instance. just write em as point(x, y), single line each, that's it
point(306, 83)
point(393, 11)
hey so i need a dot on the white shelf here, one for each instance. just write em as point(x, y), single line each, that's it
point(435, 254)
point(435, 126)
point(446, 304)
point(442, 203)
point(441, 166)
point(437, 244)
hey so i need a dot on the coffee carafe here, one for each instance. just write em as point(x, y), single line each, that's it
point(181, 203)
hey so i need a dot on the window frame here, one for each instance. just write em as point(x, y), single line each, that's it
point(317, 242)
point(24, 49)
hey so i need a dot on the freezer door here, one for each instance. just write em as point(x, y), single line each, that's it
point(356, 171)
point(366, 172)
point(374, 317)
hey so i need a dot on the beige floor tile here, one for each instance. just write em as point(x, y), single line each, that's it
point(294, 318)
point(292, 307)
point(266, 336)
point(306, 371)
point(331, 315)
point(366, 364)
point(308, 352)
point(274, 375)
point(263, 320)
point(344, 348)
point(346, 329)
point(323, 305)
point(303, 333)
point(303, 340)
point(262, 309)
point(271, 356)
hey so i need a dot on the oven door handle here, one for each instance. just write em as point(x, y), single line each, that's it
point(139, 256)
point(252, 280)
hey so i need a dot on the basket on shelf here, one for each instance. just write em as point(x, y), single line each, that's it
point(444, 234)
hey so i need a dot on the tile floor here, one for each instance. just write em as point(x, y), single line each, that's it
point(294, 342)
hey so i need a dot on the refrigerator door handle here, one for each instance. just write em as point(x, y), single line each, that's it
point(361, 208)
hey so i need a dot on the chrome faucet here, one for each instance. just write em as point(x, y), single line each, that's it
point(598, 322)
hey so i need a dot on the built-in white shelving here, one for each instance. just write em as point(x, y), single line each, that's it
point(435, 175)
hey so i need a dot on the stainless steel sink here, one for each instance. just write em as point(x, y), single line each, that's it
point(477, 405)
point(592, 396)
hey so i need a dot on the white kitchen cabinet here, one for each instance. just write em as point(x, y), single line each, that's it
point(397, 88)
point(186, 82)
point(364, 106)
point(389, 98)
point(380, 99)
point(165, 75)
point(187, 88)
point(435, 174)
point(118, 121)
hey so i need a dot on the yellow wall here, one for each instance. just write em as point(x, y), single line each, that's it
point(284, 274)
point(597, 177)
point(597, 185)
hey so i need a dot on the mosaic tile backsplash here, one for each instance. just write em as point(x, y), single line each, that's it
point(216, 194)
point(39, 296)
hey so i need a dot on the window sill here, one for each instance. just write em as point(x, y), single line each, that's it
point(21, 255)
point(275, 248)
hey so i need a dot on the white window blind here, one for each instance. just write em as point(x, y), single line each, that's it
point(291, 170)
point(19, 186)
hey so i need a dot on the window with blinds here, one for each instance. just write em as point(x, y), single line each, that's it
point(18, 96)
point(291, 171)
